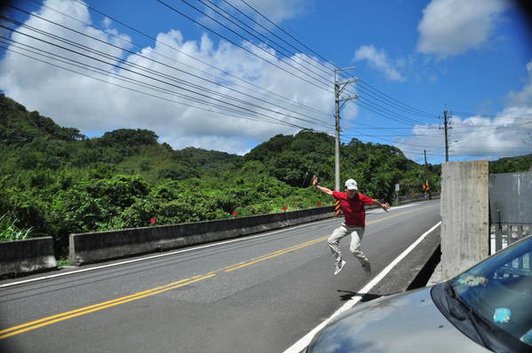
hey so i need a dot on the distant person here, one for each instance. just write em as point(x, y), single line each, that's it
point(352, 203)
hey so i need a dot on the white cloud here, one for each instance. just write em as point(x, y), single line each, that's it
point(522, 98)
point(100, 104)
point(502, 136)
point(378, 60)
point(277, 10)
point(509, 133)
point(451, 27)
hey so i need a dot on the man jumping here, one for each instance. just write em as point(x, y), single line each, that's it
point(352, 203)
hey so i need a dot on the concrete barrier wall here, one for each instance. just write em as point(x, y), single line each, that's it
point(465, 216)
point(25, 256)
point(37, 254)
point(95, 247)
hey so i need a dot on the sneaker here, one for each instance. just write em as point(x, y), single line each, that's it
point(339, 267)
point(367, 268)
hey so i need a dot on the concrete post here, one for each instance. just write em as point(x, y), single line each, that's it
point(465, 215)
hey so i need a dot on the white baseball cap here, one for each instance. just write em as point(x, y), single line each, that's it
point(351, 184)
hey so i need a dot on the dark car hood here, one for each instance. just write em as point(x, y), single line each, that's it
point(402, 323)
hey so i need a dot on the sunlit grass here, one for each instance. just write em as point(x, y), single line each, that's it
point(9, 231)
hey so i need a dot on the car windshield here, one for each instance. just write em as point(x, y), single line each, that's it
point(499, 290)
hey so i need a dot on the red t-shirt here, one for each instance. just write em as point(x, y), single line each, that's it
point(354, 211)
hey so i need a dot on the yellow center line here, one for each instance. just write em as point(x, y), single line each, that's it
point(274, 254)
point(393, 215)
point(49, 320)
point(295, 247)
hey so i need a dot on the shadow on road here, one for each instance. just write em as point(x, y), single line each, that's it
point(347, 295)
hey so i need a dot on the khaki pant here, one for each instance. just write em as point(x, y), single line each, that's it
point(356, 237)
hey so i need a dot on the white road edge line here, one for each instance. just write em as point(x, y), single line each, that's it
point(300, 345)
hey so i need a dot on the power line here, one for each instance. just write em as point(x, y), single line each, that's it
point(397, 103)
point(324, 87)
point(217, 9)
point(370, 90)
point(219, 103)
point(375, 94)
point(383, 112)
point(371, 99)
point(182, 102)
point(153, 72)
point(324, 68)
point(169, 66)
point(482, 115)
point(285, 32)
point(156, 40)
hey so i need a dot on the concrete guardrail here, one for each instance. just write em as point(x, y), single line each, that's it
point(37, 254)
point(88, 248)
point(27, 256)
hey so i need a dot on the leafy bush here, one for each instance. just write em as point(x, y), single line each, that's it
point(55, 181)
point(9, 230)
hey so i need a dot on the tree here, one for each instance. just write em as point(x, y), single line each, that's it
point(57, 181)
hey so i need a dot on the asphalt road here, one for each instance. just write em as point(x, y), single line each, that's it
point(256, 294)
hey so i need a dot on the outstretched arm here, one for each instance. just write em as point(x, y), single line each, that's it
point(321, 188)
point(384, 206)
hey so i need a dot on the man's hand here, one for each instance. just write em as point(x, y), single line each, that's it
point(386, 206)
point(315, 180)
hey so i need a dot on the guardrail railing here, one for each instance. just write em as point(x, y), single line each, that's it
point(504, 234)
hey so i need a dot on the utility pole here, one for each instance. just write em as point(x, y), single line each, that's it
point(427, 185)
point(446, 127)
point(337, 129)
point(339, 102)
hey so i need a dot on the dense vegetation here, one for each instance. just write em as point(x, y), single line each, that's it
point(55, 181)
point(512, 165)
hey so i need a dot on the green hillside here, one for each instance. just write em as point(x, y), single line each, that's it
point(512, 165)
point(56, 181)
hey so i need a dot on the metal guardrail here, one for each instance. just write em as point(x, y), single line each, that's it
point(417, 197)
point(504, 234)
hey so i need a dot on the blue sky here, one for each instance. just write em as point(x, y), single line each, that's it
point(197, 79)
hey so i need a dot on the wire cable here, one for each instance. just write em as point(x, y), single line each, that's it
point(159, 77)
point(323, 86)
point(181, 71)
point(156, 40)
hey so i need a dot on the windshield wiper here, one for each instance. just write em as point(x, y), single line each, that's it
point(465, 313)
point(449, 289)
point(474, 319)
